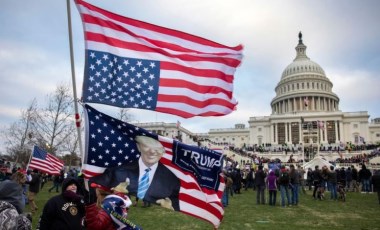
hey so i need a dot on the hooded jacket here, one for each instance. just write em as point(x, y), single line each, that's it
point(272, 181)
point(64, 211)
point(11, 192)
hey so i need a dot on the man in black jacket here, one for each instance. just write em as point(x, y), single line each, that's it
point(376, 183)
point(317, 179)
point(64, 211)
point(34, 189)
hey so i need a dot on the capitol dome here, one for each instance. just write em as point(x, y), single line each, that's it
point(304, 87)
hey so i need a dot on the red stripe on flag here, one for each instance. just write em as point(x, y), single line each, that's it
point(185, 60)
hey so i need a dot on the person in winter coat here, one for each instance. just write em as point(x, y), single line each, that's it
point(284, 182)
point(260, 185)
point(294, 181)
point(272, 187)
point(64, 211)
point(34, 189)
point(364, 177)
point(12, 191)
point(376, 183)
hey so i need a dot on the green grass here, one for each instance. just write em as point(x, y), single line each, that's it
point(360, 211)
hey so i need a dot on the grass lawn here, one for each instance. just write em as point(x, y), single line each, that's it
point(360, 211)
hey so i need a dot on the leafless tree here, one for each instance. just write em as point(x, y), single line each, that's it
point(123, 115)
point(19, 135)
point(55, 124)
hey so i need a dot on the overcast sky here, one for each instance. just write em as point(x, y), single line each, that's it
point(342, 36)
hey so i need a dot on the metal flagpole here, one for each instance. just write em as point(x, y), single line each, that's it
point(30, 158)
point(77, 116)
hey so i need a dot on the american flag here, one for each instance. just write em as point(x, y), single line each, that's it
point(321, 124)
point(133, 64)
point(306, 101)
point(45, 162)
point(110, 142)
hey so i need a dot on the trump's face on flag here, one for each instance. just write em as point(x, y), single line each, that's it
point(151, 150)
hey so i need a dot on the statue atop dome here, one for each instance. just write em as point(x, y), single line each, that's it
point(300, 37)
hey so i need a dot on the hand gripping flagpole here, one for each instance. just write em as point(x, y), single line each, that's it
point(77, 116)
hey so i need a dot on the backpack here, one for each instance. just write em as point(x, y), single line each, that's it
point(284, 177)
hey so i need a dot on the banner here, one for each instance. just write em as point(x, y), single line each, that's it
point(116, 150)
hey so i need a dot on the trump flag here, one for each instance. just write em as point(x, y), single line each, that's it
point(134, 64)
point(111, 143)
point(45, 162)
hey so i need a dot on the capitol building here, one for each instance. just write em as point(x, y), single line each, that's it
point(305, 116)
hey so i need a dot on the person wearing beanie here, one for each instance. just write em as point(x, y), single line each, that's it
point(12, 191)
point(64, 211)
point(12, 204)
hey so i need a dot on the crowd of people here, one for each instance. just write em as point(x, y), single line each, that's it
point(73, 207)
point(290, 181)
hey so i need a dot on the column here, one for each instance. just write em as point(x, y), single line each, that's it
point(286, 132)
point(275, 134)
point(336, 131)
point(341, 131)
point(319, 103)
point(290, 132)
point(328, 104)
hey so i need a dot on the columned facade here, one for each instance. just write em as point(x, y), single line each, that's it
point(305, 110)
point(305, 113)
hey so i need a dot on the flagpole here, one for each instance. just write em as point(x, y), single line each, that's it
point(30, 158)
point(77, 116)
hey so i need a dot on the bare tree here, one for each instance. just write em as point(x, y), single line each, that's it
point(55, 123)
point(19, 136)
point(123, 115)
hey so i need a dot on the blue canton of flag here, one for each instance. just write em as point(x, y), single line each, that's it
point(120, 81)
point(39, 153)
point(109, 142)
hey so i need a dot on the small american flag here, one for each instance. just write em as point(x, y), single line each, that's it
point(45, 162)
point(306, 101)
point(321, 124)
point(133, 64)
point(111, 142)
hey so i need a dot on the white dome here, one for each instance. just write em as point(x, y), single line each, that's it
point(304, 82)
point(302, 66)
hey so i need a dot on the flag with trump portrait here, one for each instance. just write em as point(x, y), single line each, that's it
point(134, 64)
point(111, 143)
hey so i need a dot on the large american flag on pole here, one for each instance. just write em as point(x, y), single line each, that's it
point(111, 142)
point(45, 162)
point(133, 64)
